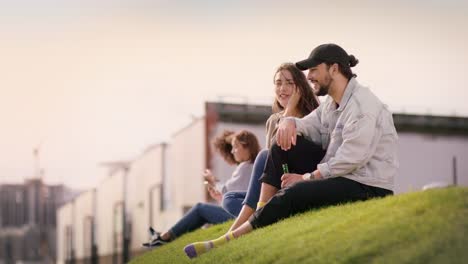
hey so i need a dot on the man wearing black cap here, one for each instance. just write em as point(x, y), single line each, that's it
point(354, 127)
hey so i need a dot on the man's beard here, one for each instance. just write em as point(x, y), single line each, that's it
point(323, 88)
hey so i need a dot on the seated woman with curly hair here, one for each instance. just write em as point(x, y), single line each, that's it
point(239, 148)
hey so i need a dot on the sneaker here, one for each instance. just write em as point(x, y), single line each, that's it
point(151, 231)
point(155, 239)
point(157, 242)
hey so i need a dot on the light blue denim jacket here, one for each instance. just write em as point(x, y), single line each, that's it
point(359, 136)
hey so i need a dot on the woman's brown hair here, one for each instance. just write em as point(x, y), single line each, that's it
point(223, 144)
point(249, 141)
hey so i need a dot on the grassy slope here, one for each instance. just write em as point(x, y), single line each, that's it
point(423, 227)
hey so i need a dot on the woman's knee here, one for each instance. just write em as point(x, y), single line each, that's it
point(233, 198)
point(232, 206)
point(229, 196)
point(196, 209)
point(262, 155)
point(198, 206)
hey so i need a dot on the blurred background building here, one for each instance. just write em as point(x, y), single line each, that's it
point(28, 221)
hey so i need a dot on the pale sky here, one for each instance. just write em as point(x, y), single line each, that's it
point(100, 82)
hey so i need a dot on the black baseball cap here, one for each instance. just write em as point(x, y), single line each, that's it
point(330, 53)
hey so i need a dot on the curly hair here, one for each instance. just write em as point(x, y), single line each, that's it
point(249, 141)
point(223, 144)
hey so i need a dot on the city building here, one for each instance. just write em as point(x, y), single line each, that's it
point(28, 221)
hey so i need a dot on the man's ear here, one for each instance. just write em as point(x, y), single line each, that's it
point(334, 69)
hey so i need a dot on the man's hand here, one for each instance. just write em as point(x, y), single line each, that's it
point(289, 178)
point(286, 134)
point(317, 175)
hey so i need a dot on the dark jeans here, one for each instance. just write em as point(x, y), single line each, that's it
point(301, 158)
point(307, 195)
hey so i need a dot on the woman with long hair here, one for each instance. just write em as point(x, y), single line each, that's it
point(293, 97)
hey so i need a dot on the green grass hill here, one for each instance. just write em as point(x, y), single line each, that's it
point(420, 227)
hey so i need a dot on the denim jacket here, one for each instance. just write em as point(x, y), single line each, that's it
point(359, 136)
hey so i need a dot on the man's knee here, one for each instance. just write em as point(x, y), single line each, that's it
point(296, 194)
point(284, 197)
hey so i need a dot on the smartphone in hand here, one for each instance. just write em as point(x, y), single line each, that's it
point(210, 186)
point(214, 193)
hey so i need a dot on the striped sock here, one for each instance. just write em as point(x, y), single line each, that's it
point(196, 249)
point(260, 205)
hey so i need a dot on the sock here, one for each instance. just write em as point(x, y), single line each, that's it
point(196, 249)
point(260, 205)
